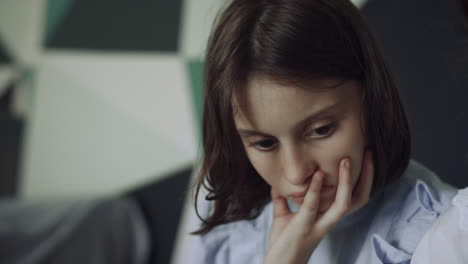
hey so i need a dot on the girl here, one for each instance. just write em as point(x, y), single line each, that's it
point(306, 144)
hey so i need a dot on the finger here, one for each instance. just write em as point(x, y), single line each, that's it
point(364, 186)
point(280, 206)
point(342, 202)
point(311, 202)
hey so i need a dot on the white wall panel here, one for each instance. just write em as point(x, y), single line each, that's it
point(21, 27)
point(197, 21)
point(103, 123)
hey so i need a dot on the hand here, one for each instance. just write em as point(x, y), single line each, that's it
point(294, 236)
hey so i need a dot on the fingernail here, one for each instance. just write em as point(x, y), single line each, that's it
point(346, 163)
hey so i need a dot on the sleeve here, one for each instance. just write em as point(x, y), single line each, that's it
point(447, 240)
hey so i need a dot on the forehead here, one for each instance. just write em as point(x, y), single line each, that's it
point(264, 104)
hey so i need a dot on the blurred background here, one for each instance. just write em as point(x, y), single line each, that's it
point(104, 93)
point(103, 99)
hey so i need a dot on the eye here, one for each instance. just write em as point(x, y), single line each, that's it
point(322, 131)
point(264, 145)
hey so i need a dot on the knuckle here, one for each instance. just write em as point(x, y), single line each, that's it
point(312, 208)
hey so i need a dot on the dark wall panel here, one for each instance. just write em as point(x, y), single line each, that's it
point(139, 25)
point(425, 43)
point(162, 203)
point(4, 56)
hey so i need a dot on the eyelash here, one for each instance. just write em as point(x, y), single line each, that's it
point(257, 143)
point(330, 127)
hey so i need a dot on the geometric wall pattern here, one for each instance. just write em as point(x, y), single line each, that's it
point(110, 91)
point(106, 122)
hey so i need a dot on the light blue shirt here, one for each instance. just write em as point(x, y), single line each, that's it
point(386, 230)
point(447, 239)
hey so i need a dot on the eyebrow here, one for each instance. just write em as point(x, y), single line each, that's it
point(301, 124)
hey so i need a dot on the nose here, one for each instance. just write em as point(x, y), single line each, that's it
point(298, 166)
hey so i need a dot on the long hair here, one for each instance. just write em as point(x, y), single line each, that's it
point(289, 41)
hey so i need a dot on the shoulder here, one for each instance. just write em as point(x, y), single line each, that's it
point(242, 241)
point(409, 208)
point(419, 189)
point(447, 238)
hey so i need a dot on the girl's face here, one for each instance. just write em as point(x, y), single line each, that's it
point(289, 133)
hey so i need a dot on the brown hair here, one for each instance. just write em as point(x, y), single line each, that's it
point(289, 41)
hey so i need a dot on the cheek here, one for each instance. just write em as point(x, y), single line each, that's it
point(343, 145)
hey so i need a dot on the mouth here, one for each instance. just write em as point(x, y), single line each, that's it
point(298, 194)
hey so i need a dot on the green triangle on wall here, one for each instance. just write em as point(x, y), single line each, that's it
point(195, 69)
point(56, 11)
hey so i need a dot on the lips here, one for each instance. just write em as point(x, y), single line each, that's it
point(298, 194)
point(327, 196)
point(326, 190)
